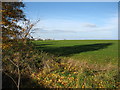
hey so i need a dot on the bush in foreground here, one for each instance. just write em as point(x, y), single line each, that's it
point(69, 74)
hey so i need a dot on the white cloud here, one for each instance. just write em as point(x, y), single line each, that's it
point(58, 24)
point(64, 25)
point(90, 25)
point(57, 28)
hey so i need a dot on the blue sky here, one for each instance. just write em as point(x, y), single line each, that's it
point(74, 21)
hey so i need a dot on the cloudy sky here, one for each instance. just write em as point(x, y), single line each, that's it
point(74, 21)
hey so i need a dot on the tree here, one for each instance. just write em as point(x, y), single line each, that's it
point(16, 31)
point(12, 13)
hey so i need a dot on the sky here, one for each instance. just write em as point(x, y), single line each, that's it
point(74, 20)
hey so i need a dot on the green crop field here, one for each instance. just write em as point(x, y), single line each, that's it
point(92, 51)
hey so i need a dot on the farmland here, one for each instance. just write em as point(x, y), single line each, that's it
point(92, 51)
point(84, 64)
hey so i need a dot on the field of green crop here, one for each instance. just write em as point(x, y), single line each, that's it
point(92, 51)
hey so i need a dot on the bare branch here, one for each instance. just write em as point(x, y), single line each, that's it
point(29, 27)
point(19, 77)
point(13, 63)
